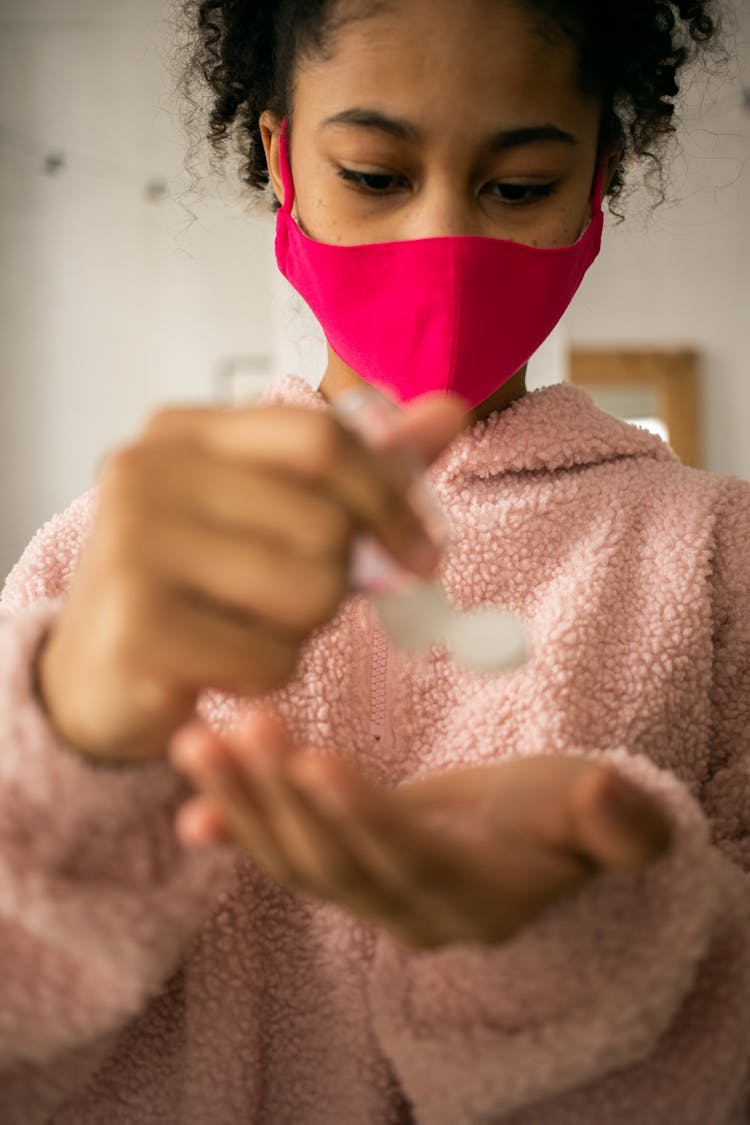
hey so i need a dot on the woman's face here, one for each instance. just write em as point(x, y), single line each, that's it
point(427, 118)
point(438, 117)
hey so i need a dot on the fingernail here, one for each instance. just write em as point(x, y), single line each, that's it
point(182, 754)
point(188, 829)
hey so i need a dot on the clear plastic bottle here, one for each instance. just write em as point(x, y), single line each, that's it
point(415, 611)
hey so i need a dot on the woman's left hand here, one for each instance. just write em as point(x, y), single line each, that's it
point(472, 854)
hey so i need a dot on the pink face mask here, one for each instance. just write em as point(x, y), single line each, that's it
point(457, 313)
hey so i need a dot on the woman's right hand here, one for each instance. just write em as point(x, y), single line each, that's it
point(221, 541)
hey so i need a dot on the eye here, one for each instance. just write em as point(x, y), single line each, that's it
point(375, 182)
point(520, 194)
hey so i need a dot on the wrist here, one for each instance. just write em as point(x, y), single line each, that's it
point(43, 683)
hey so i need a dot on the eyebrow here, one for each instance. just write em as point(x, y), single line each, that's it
point(406, 131)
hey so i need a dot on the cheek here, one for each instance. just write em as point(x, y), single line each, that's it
point(568, 213)
point(561, 228)
point(321, 221)
point(314, 209)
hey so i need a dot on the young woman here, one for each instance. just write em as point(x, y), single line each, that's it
point(258, 864)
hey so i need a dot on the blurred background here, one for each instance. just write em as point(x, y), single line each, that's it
point(124, 286)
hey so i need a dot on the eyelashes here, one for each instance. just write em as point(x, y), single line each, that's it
point(524, 193)
point(381, 183)
point(377, 183)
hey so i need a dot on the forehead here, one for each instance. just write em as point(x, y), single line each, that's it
point(440, 59)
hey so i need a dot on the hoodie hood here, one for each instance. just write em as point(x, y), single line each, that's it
point(556, 427)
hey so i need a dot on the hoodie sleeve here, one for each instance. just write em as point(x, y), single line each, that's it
point(629, 1001)
point(97, 897)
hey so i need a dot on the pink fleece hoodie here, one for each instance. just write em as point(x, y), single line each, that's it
point(146, 983)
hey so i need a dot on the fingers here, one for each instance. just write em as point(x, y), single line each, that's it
point(208, 761)
point(616, 823)
point(446, 885)
point(274, 822)
point(320, 845)
point(252, 576)
point(241, 500)
point(183, 639)
point(314, 447)
point(201, 821)
point(317, 827)
point(428, 426)
point(370, 828)
point(346, 850)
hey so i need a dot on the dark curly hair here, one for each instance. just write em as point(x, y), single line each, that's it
point(631, 54)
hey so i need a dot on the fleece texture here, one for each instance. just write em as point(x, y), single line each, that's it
point(146, 983)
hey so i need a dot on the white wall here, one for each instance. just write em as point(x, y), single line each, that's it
point(680, 274)
point(111, 304)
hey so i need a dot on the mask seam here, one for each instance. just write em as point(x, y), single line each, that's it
point(456, 317)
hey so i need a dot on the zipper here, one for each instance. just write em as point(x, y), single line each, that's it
point(378, 681)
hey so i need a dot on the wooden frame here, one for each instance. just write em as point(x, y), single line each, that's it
point(671, 373)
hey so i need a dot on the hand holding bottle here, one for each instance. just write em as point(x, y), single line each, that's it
point(221, 541)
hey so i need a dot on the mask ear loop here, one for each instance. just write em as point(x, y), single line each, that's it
point(597, 198)
point(286, 171)
point(596, 201)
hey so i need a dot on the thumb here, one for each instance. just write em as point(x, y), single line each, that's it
point(617, 824)
point(428, 425)
point(417, 432)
